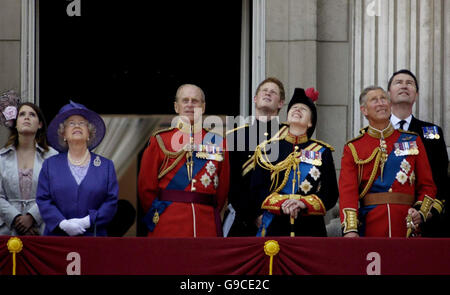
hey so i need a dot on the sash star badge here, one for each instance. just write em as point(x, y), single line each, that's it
point(205, 180)
point(401, 177)
point(314, 172)
point(210, 168)
point(405, 166)
point(306, 186)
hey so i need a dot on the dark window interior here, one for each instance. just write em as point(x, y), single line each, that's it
point(129, 57)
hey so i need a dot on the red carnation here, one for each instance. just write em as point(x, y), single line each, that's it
point(312, 94)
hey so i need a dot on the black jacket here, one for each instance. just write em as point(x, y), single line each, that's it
point(324, 185)
point(438, 158)
point(241, 144)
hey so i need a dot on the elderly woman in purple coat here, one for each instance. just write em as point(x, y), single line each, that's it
point(77, 189)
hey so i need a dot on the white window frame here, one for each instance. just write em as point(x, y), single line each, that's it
point(28, 51)
point(257, 66)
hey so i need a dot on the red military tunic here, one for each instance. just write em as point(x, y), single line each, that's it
point(406, 172)
point(165, 168)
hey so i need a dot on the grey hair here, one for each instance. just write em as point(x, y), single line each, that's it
point(92, 133)
point(363, 95)
point(184, 85)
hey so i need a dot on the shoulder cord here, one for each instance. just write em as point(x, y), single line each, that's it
point(375, 154)
point(163, 170)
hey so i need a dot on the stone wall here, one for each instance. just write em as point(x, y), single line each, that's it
point(10, 36)
point(308, 45)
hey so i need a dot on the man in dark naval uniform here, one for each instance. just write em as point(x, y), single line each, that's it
point(295, 190)
point(403, 91)
point(242, 142)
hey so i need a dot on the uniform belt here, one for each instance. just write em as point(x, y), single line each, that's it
point(187, 197)
point(387, 198)
point(194, 197)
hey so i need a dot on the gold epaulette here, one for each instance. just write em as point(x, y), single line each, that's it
point(237, 128)
point(281, 134)
point(178, 156)
point(408, 132)
point(324, 144)
point(211, 131)
point(356, 138)
point(249, 165)
point(438, 205)
point(162, 130)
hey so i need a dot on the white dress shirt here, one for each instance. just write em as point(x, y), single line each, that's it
point(396, 122)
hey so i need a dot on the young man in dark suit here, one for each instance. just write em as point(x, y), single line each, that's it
point(404, 90)
point(241, 143)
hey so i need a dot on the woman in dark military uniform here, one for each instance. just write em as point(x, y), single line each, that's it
point(294, 182)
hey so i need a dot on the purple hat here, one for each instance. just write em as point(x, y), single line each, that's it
point(72, 109)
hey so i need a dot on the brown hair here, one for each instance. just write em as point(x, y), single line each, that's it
point(275, 81)
point(41, 134)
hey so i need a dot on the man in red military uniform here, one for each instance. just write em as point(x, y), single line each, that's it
point(386, 172)
point(184, 177)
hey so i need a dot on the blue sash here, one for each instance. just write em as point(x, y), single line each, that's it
point(157, 206)
point(391, 167)
point(180, 181)
point(304, 170)
point(287, 189)
point(266, 221)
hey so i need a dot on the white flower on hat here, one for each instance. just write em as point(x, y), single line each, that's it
point(10, 113)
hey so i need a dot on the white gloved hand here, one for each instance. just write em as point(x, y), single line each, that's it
point(71, 228)
point(84, 222)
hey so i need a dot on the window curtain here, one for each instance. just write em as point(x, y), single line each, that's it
point(126, 136)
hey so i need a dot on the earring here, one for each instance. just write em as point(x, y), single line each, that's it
point(65, 139)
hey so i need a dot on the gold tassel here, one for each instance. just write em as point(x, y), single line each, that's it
point(14, 246)
point(271, 248)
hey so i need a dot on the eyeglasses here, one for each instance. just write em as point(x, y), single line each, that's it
point(74, 123)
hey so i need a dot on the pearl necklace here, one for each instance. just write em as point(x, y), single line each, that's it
point(78, 162)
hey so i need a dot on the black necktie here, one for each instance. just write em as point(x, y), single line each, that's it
point(402, 122)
